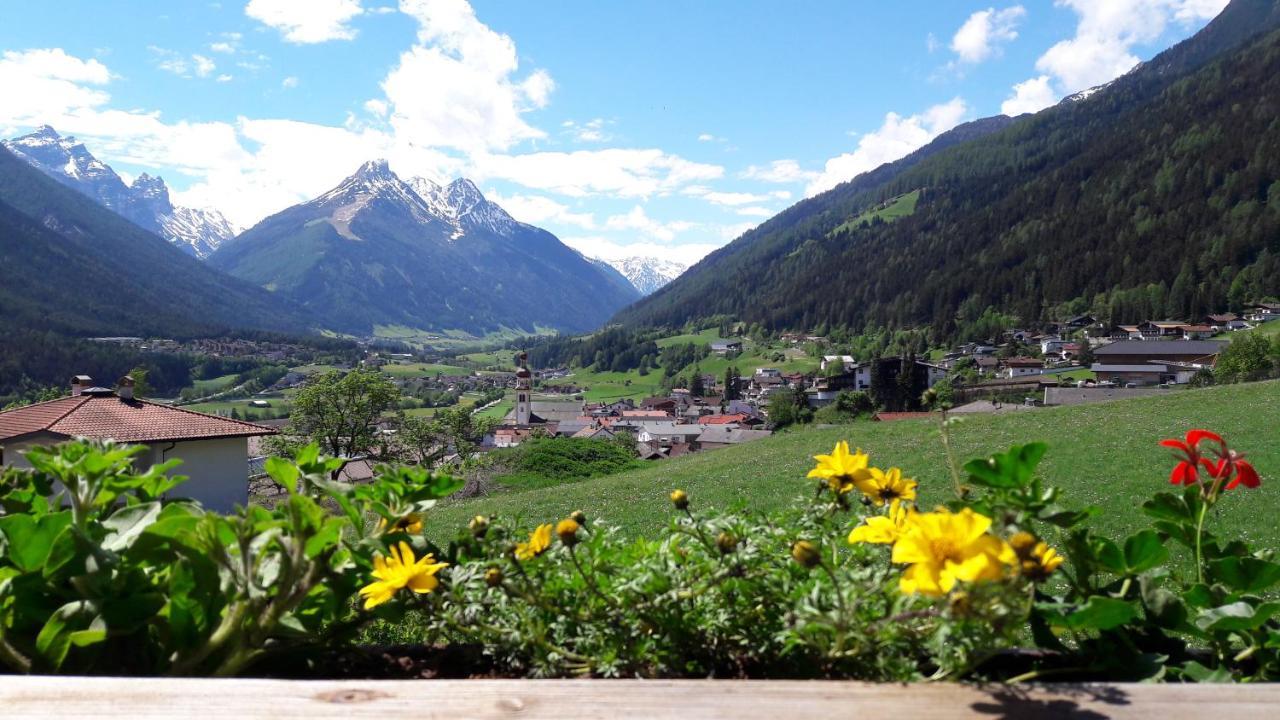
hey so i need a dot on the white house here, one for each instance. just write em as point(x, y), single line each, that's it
point(214, 450)
point(845, 362)
point(667, 432)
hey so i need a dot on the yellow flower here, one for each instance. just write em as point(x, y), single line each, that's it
point(841, 469)
point(411, 523)
point(400, 571)
point(881, 487)
point(567, 530)
point(883, 529)
point(1041, 563)
point(806, 553)
point(539, 541)
point(944, 548)
point(680, 499)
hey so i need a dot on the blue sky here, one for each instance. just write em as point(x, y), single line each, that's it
point(655, 128)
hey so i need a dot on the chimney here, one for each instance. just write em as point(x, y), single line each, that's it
point(79, 383)
point(124, 388)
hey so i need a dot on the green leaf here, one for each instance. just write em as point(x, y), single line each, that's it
point(1202, 674)
point(127, 523)
point(1245, 574)
point(66, 548)
point(1100, 613)
point(283, 472)
point(1013, 469)
point(30, 540)
point(1144, 551)
point(1163, 606)
point(1070, 518)
point(1109, 555)
point(1198, 595)
point(1236, 616)
point(54, 639)
point(1167, 506)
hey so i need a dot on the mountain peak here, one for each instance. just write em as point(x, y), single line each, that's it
point(375, 169)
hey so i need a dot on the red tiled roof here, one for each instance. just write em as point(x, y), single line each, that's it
point(109, 417)
point(890, 416)
point(722, 419)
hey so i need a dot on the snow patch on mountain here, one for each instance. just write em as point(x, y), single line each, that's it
point(146, 202)
point(648, 274)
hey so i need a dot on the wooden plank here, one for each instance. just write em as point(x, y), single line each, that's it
point(142, 699)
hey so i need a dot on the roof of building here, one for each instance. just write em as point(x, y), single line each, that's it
point(891, 416)
point(668, 428)
point(730, 435)
point(987, 406)
point(1150, 368)
point(103, 415)
point(722, 419)
point(1023, 362)
point(1157, 348)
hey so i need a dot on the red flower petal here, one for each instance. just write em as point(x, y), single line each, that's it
point(1245, 475)
point(1195, 436)
point(1175, 444)
point(1216, 469)
point(1184, 473)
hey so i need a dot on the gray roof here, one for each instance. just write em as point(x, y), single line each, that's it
point(668, 428)
point(1160, 347)
point(731, 435)
point(552, 411)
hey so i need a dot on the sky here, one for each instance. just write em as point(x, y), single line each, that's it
point(660, 128)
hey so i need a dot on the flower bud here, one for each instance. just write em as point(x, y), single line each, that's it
point(493, 577)
point(567, 529)
point(959, 604)
point(1023, 543)
point(806, 553)
point(680, 499)
point(726, 542)
point(479, 526)
point(579, 517)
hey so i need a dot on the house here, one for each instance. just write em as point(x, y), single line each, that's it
point(726, 347)
point(844, 362)
point(1015, 367)
point(986, 363)
point(1202, 353)
point(214, 450)
point(1070, 350)
point(825, 389)
point(665, 433)
point(1136, 374)
point(1080, 321)
point(718, 436)
point(730, 419)
point(661, 404)
point(1127, 332)
point(766, 372)
point(1263, 312)
point(595, 433)
point(1160, 329)
point(1197, 332)
point(1052, 345)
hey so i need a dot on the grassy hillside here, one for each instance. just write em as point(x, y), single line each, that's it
point(899, 207)
point(1105, 454)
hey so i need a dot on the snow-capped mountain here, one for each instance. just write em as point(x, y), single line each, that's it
point(648, 274)
point(377, 250)
point(145, 202)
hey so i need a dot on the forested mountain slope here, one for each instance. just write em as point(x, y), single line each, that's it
point(70, 265)
point(1157, 195)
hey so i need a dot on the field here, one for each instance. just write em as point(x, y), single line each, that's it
point(403, 370)
point(1270, 329)
point(213, 385)
point(899, 207)
point(1104, 454)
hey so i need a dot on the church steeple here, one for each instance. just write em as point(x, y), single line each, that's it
point(524, 388)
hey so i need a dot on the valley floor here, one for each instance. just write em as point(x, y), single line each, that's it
point(1105, 454)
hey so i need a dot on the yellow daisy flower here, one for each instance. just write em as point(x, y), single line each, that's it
point(842, 470)
point(411, 524)
point(539, 541)
point(944, 548)
point(881, 487)
point(883, 529)
point(399, 571)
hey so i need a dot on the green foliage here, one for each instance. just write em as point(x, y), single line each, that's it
point(1251, 356)
point(551, 460)
point(102, 573)
point(340, 411)
point(789, 406)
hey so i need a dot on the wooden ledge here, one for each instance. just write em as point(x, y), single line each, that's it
point(139, 699)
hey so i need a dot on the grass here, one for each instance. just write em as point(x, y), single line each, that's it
point(1077, 375)
point(1270, 328)
point(279, 406)
point(213, 385)
point(898, 207)
point(1104, 454)
point(422, 369)
point(705, 337)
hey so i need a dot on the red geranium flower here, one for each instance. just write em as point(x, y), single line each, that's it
point(1245, 475)
point(1186, 471)
point(1226, 464)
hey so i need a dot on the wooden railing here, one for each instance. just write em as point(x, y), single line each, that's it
point(137, 699)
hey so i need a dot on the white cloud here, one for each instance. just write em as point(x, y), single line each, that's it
point(225, 48)
point(1029, 96)
point(591, 131)
point(779, 171)
point(307, 21)
point(44, 85)
point(597, 246)
point(203, 66)
point(456, 87)
point(732, 232)
point(289, 82)
point(931, 43)
point(980, 37)
point(618, 172)
point(898, 136)
point(1107, 30)
point(223, 78)
point(637, 219)
point(376, 107)
point(755, 212)
point(730, 199)
point(537, 209)
point(708, 137)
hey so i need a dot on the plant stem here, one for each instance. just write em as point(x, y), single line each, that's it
point(1204, 508)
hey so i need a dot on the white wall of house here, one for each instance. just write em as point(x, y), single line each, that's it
point(218, 469)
